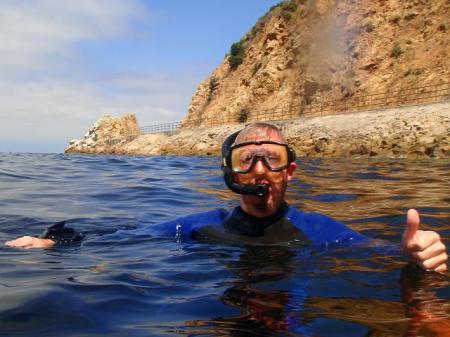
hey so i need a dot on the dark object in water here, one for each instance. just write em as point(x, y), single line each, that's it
point(61, 235)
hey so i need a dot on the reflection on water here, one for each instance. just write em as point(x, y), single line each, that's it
point(150, 286)
point(421, 312)
point(377, 187)
point(269, 303)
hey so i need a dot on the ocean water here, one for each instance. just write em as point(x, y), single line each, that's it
point(156, 286)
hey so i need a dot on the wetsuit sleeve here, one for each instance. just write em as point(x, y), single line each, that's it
point(178, 229)
point(322, 230)
point(165, 229)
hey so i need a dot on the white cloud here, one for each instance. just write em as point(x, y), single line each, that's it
point(31, 31)
point(39, 43)
point(64, 109)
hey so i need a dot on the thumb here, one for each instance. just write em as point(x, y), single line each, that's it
point(412, 225)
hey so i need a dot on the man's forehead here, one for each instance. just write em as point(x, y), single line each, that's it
point(259, 135)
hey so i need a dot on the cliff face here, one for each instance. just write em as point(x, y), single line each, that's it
point(106, 133)
point(307, 51)
point(411, 132)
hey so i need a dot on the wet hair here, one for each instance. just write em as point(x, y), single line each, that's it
point(259, 130)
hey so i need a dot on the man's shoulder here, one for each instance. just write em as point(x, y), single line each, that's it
point(300, 216)
point(203, 218)
point(322, 229)
point(184, 225)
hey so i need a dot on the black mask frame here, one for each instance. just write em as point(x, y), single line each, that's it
point(290, 156)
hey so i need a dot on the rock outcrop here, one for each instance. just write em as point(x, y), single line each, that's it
point(106, 133)
point(410, 132)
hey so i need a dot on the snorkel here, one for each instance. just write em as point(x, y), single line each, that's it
point(259, 190)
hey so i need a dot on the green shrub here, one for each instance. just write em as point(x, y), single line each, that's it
point(369, 27)
point(257, 27)
point(288, 9)
point(289, 6)
point(286, 15)
point(213, 84)
point(395, 18)
point(350, 73)
point(442, 27)
point(326, 85)
point(396, 50)
point(275, 6)
point(410, 16)
point(243, 115)
point(262, 20)
point(256, 67)
point(237, 54)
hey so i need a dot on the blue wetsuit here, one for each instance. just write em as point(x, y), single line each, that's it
point(288, 225)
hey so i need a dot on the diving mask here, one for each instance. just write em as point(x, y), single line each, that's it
point(241, 158)
point(274, 155)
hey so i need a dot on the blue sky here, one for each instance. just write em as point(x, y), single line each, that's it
point(66, 63)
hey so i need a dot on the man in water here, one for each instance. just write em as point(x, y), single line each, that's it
point(258, 164)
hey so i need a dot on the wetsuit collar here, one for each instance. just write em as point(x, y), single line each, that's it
point(245, 224)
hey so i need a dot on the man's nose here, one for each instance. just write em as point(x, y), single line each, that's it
point(259, 168)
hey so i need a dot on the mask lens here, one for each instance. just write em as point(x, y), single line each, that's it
point(275, 156)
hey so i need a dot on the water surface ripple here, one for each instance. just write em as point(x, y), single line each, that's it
point(154, 286)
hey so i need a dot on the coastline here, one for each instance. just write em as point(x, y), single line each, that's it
point(421, 131)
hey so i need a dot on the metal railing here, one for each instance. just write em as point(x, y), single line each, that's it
point(396, 98)
point(160, 127)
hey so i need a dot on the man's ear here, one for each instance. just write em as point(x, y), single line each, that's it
point(290, 170)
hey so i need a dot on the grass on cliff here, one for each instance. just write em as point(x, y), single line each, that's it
point(237, 54)
point(237, 51)
point(396, 50)
point(213, 85)
point(287, 9)
point(243, 115)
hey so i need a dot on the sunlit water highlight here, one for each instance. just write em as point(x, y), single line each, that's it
point(154, 286)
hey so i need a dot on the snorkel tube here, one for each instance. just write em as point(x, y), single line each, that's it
point(260, 190)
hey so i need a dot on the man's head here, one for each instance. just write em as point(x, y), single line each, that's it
point(260, 131)
point(260, 156)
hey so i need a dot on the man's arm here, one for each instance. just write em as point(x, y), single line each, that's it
point(55, 234)
point(424, 248)
point(58, 234)
point(30, 242)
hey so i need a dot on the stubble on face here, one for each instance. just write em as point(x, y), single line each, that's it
point(268, 204)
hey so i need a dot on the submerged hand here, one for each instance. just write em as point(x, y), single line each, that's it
point(424, 248)
point(30, 242)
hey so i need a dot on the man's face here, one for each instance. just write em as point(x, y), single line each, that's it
point(260, 174)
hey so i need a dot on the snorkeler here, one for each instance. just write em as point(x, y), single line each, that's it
point(258, 164)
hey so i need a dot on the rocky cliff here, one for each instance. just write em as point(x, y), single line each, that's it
point(307, 51)
point(409, 132)
point(107, 131)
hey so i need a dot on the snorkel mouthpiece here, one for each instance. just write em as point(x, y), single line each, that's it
point(260, 190)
